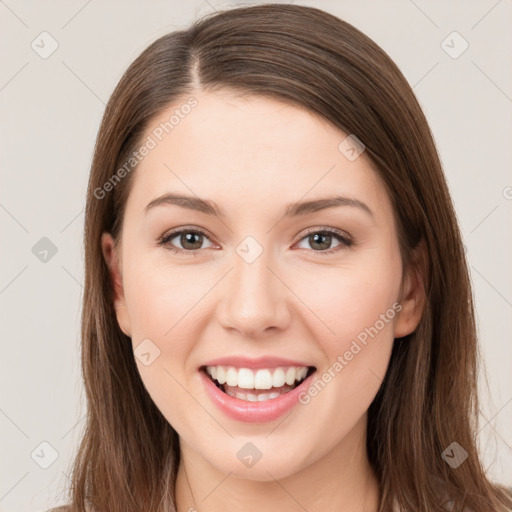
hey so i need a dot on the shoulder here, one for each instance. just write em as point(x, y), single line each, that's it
point(62, 508)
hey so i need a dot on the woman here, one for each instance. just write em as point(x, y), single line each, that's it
point(277, 310)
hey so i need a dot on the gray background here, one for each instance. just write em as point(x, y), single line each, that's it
point(51, 110)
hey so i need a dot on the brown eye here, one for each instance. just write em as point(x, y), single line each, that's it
point(185, 240)
point(191, 240)
point(321, 240)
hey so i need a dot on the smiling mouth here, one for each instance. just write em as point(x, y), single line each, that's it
point(257, 385)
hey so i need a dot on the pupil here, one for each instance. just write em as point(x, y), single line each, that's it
point(187, 238)
point(316, 236)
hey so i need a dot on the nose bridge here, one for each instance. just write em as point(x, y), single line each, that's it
point(252, 278)
point(255, 298)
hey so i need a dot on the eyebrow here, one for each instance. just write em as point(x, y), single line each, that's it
point(291, 210)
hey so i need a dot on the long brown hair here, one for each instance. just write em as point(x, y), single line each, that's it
point(129, 453)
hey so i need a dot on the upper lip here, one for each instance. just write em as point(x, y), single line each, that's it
point(255, 363)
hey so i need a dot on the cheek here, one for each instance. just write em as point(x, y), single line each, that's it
point(361, 313)
point(358, 309)
point(359, 305)
point(163, 300)
point(349, 301)
point(164, 307)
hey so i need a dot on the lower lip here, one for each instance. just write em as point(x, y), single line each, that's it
point(254, 412)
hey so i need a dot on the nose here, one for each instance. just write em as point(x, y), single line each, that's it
point(256, 299)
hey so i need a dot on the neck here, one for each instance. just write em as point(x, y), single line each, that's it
point(341, 479)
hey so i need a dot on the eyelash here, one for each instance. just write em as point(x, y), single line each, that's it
point(345, 239)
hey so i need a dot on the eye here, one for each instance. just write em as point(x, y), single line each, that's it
point(321, 240)
point(190, 240)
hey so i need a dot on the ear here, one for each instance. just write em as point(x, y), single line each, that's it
point(114, 265)
point(413, 293)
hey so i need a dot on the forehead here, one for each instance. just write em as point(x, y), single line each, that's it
point(248, 151)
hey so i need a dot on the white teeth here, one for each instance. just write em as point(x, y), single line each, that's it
point(221, 374)
point(290, 376)
point(302, 373)
point(250, 397)
point(231, 377)
point(263, 397)
point(278, 379)
point(264, 378)
point(245, 378)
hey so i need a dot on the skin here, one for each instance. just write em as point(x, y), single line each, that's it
point(253, 156)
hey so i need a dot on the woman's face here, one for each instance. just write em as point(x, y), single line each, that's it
point(264, 287)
